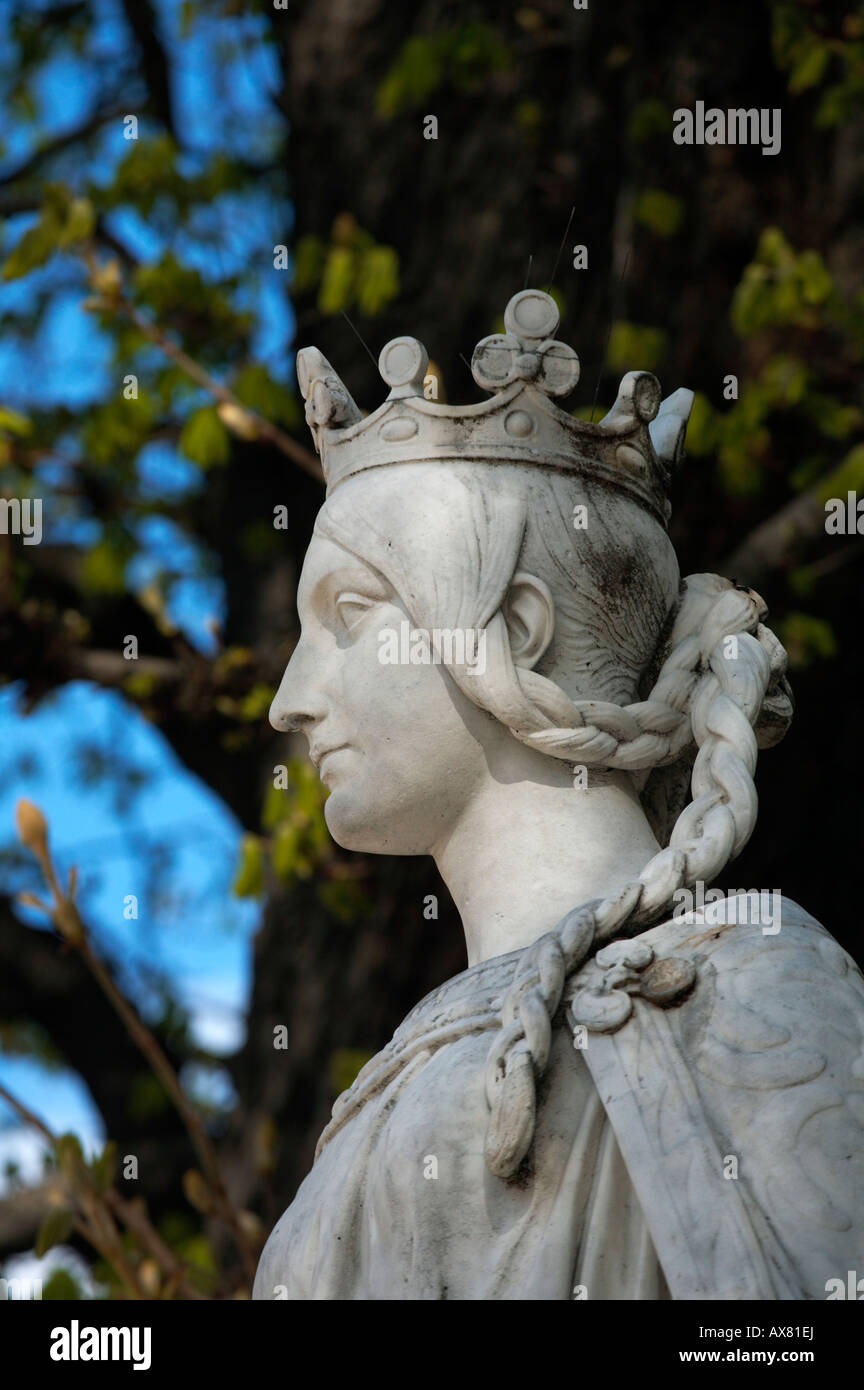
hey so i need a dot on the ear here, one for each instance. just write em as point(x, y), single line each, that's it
point(530, 616)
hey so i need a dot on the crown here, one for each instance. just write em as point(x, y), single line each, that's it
point(634, 448)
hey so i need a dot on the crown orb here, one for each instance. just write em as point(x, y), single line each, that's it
point(631, 459)
point(532, 316)
point(403, 363)
point(641, 390)
point(492, 361)
point(560, 370)
point(392, 431)
point(519, 423)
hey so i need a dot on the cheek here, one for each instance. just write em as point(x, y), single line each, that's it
point(402, 707)
point(419, 761)
point(407, 719)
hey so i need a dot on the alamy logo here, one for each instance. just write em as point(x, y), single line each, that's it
point(76, 1343)
point(845, 516)
point(736, 127)
point(21, 517)
point(20, 1290)
point(851, 1287)
point(418, 646)
point(754, 906)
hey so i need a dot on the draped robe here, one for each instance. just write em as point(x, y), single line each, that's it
point(714, 1149)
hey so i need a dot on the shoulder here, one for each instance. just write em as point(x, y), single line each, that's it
point(771, 1036)
point(763, 952)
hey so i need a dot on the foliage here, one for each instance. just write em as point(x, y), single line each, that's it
point(351, 271)
point(782, 288)
point(808, 46)
point(461, 57)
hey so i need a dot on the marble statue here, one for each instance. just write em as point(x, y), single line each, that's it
point(638, 1089)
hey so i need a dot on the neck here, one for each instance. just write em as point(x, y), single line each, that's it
point(526, 852)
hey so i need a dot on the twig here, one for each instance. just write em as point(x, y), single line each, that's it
point(201, 1142)
point(297, 452)
point(64, 912)
point(102, 1234)
point(136, 1220)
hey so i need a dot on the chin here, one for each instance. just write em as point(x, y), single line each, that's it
point(355, 825)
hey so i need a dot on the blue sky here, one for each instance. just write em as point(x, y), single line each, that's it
point(192, 931)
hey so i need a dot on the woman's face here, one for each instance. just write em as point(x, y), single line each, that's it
point(399, 746)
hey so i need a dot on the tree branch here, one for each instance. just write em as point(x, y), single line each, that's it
point(297, 452)
point(777, 542)
point(141, 18)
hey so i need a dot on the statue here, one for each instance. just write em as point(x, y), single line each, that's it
point(637, 1089)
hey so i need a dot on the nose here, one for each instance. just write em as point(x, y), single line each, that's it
point(299, 702)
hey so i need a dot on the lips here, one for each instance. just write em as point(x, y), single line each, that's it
point(319, 754)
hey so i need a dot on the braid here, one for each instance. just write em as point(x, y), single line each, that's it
point(709, 691)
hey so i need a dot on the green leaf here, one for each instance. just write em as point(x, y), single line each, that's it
point(413, 76)
point(57, 1225)
point(249, 882)
point(60, 1285)
point(377, 279)
point(635, 347)
point(104, 1167)
point(147, 172)
point(255, 387)
point(37, 245)
point(702, 427)
point(785, 379)
point(465, 55)
point(807, 638)
point(140, 685)
point(337, 280)
point(810, 67)
point(80, 222)
point(662, 212)
point(204, 438)
point(780, 286)
point(816, 281)
point(277, 804)
point(63, 221)
point(740, 463)
point(197, 1191)
point(256, 703)
point(848, 477)
point(649, 118)
point(70, 1159)
point(103, 570)
point(14, 422)
point(287, 858)
point(309, 255)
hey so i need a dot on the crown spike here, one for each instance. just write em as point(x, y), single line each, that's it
point(532, 316)
point(668, 429)
point(403, 364)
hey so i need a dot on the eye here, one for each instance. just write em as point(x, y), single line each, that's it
point(352, 608)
